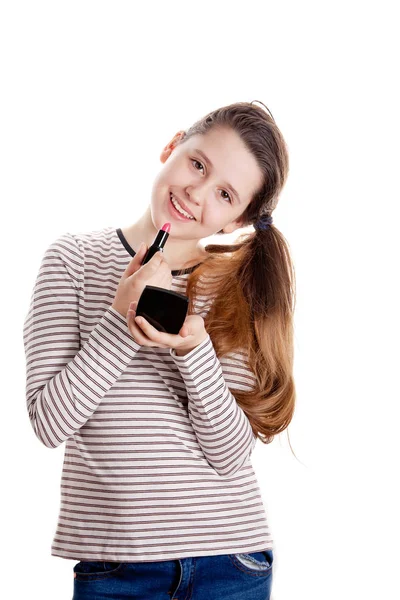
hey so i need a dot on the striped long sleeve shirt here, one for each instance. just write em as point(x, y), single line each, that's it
point(157, 451)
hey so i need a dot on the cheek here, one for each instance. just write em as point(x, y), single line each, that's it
point(171, 176)
point(214, 219)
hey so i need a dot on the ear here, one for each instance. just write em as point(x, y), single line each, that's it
point(170, 146)
point(231, 227)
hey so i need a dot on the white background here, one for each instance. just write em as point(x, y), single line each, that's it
point(91, 94)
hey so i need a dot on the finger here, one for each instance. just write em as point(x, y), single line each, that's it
point(133, 306)
point(135, 330)
point(148, 329)
point(184, 332)
point(131, 313)
point(136, 262)
point(152, 333)
point(144, 272)
point(138, 334)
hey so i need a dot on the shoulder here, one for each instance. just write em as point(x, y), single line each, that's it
point(73, 250)
point(99, 240)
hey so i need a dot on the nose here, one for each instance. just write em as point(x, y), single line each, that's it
point(195, 195)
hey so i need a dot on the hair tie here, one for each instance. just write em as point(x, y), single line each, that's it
point(263, 223)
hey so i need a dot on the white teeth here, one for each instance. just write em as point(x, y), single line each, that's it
point(179, 208)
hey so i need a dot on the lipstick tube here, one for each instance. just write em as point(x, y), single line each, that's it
point(159, 242)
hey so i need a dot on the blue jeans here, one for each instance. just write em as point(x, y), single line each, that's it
point(225, 576)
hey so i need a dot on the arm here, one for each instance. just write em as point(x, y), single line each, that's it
point(222, 428)
point(66, 383)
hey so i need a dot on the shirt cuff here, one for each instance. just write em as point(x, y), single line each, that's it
point(189, 359)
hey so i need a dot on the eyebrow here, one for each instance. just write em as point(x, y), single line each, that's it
point(211, 166)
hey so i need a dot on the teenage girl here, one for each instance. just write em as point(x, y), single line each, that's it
point(159, 499)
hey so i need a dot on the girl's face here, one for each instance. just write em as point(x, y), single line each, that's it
point(203, 173)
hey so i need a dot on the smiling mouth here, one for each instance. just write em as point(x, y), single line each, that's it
point(191, 218)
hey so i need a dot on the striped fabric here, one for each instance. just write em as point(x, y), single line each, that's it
point(157, 455)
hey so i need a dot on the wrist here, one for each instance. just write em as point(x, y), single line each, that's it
point(182, 351)
point(118, 311)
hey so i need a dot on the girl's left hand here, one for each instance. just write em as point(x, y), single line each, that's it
point(191, 334)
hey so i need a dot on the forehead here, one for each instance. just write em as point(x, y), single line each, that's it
point(231, 159)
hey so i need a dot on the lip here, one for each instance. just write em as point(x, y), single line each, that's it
point(182, 204)
point(177, 215)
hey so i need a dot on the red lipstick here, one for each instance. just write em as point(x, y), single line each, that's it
point(159, 242)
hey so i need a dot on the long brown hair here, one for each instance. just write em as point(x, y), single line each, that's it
point(252, 281)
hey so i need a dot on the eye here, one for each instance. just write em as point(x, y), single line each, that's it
point(196, 161)
point(193, 160)
point(230, 199)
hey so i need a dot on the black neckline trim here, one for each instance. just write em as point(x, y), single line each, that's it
point(131, 251)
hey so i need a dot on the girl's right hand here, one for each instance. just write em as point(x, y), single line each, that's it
point(136, 276)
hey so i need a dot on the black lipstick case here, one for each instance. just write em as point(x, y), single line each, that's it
point(163, 309)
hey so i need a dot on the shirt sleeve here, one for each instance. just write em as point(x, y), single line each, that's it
point(64, 381)
point(222, 428)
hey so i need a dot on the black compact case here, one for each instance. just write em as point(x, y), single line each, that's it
point(163, 309)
